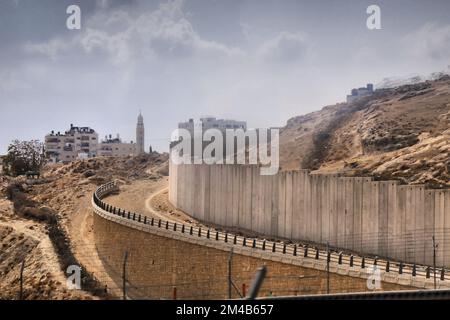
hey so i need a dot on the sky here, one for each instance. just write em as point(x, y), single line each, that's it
point(262, 61)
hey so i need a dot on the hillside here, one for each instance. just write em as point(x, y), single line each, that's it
point(47, 223)
point(398, 133)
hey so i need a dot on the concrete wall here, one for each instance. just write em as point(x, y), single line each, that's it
point(374, 217)
point(160, 259)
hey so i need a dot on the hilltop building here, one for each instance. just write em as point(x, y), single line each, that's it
point(360, 92)
point(82, 142)
point(77, 142)
point(114, 147)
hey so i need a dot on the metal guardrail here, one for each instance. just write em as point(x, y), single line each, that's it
point(288, 249)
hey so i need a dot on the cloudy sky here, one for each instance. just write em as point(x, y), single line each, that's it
point(262, 61)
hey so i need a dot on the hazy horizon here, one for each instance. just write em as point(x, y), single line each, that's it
point(260, 61)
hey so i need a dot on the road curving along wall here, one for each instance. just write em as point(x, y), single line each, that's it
point(166, 260)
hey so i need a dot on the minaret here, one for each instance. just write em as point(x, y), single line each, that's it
point(140, 135)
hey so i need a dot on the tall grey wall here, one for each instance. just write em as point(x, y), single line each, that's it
point(374, 217)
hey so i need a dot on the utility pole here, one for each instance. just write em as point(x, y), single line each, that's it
point(328, 268)
point(230, 282)
point(21, 280)
point(124, 279)
point(434, 262)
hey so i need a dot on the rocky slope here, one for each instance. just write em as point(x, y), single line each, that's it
point(36, 224)
point(398, 133)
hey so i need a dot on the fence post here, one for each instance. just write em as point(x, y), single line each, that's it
point(22, 267)
point(124, 281)
point(230, 260)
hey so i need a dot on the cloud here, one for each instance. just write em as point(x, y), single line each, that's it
point(431, 41)
point(285, 47)
point(127, 35)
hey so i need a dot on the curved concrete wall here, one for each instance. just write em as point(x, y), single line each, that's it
point(163, 255)
point(374, 217)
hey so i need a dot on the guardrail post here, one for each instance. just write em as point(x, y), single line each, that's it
point(182, 228)
point(145, 219)
point(217, 235)
point(351, 261)
point(235, 239)
point(305, 253)
point(428, 273)
point(340, 258)
point(284, 248)
point(159, 223)
point(244, 242)
point(128, 215)
point(363, 263)
point(208, 234)
point(254, 243)
point(317, 253)
point(442, 274)
point(264, 245)
point(139, 218)
point(274, 248)
point(400, 268)
point(199, 232)
point(375, 262)
point(295, 250)
point(414, 270)
point(167, 224)
point(226, 236)
point(191, 231)
point(152, 222)
point(175, 226)
point(388, 266)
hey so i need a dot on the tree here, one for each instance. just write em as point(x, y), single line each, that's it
point(22, 157)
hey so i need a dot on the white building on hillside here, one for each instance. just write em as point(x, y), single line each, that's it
point(360, 92)
point(77, 142)
point(82, 142)
point(114, 147)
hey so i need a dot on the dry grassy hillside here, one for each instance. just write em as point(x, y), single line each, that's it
point(401, 133)
point(37, 220)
